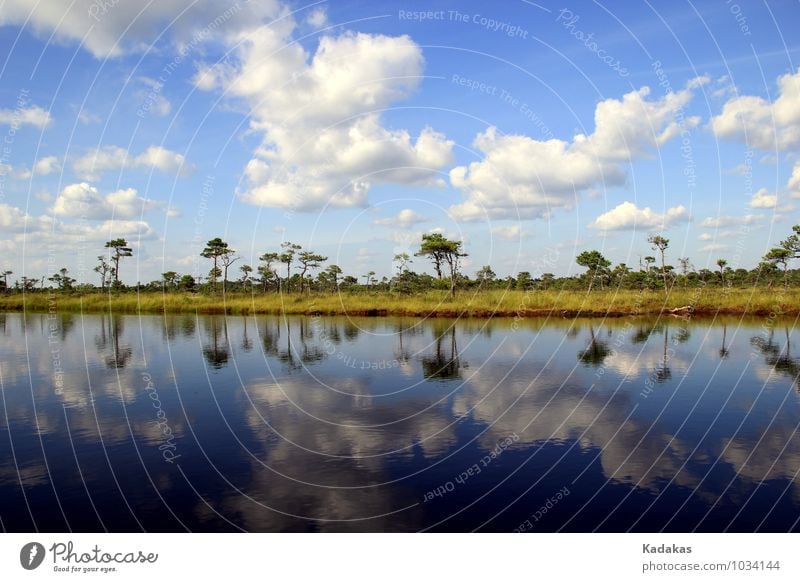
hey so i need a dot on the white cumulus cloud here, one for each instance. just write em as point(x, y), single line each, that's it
point(47, 165)
point(317, 18)
point(108, 29)
point(628, 216)
point(760, 123)
point(82, 200)
point(406, 218)
point(763, 199)
point(320, 114)
point(35, 116)
point(794, 181)
point(522, 177)
point(512, 232)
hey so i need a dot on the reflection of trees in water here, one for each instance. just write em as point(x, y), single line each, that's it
point(188, 326)
point(779, 359)
point(277, 342)
point(663, 372)
point(724, 352)
point(329, 329)
point(401, 353)
point(596, 352)
point(270, 337)
point(309, 351)
point(683, 335)
point(247, 343)
point(444, 363)
point(351, 331)
point(109, 335)
point(642, 334)
point(174, 324)
point(169, 329)
point(216, 349)
point(59, 327)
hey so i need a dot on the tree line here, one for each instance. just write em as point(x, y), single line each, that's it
point(293, 269)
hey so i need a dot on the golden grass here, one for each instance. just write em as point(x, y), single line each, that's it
point(493, 303)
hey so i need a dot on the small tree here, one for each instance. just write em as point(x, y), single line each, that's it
point(170, 279)
point(433, 246)
point(792, 243)
point(660, 244)
point(29, 283)
point(265, 269)
point(118, 248)
point(595, 264)
point(308, 261)
point(443, 251)
point(524, 280)
point(287, 258)
point(105, 270)
point(62, 280)
point(334, 272)
point(5, 279)
point(215, 249)
point(186, 283)
point(402, 260)
point(780, 256)
point(686, 266)
point(485, 276)
point(227, 259)
point(722, 263)
point(245, 279)
point(213, 275)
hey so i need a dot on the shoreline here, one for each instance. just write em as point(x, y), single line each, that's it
point(480, 305)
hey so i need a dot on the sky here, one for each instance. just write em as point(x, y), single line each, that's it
point(531, 131)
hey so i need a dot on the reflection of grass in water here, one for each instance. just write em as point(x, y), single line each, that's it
point(480, 304)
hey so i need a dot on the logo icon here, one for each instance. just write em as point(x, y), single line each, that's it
point(31, 555)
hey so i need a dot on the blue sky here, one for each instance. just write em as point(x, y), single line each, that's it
point(530, 131)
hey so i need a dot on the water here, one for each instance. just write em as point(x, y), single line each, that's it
point(377, 424)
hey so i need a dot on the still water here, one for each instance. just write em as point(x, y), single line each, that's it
point(184, 423)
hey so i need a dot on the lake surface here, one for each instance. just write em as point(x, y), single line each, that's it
point(376, 424)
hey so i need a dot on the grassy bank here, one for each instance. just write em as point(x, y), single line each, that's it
point(495, 303)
